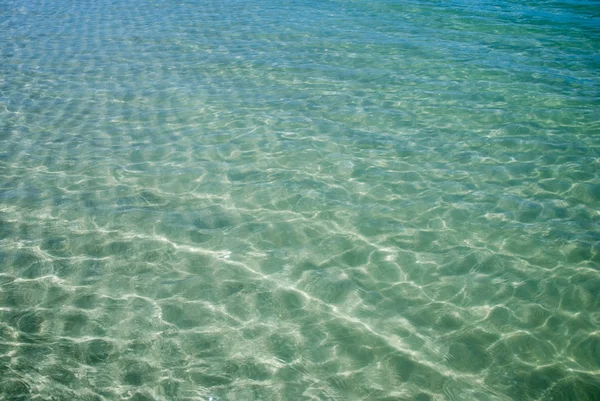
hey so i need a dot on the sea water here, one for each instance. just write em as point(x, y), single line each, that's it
point(299, 200)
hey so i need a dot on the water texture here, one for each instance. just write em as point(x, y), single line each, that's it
point(299, 200)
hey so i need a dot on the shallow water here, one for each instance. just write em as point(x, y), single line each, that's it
point(326, 200)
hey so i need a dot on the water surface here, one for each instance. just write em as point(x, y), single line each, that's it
point(285, 200)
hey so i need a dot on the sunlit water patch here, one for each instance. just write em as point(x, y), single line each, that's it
point(318, 200)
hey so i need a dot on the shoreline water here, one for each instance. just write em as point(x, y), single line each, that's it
point(324, 200)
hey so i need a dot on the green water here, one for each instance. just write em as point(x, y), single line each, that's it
point(319, 200)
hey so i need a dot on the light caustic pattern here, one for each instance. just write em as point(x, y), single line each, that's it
point(320, 200)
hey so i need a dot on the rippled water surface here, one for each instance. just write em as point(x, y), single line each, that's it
point(299, 200)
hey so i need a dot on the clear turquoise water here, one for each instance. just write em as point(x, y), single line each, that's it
point(285, 200)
